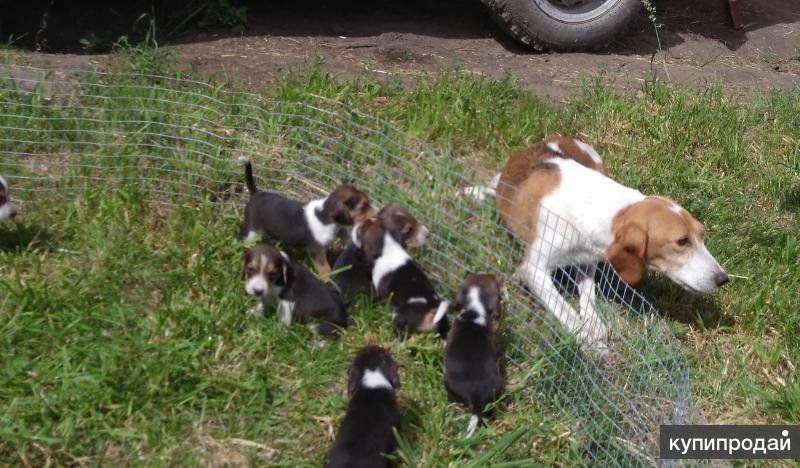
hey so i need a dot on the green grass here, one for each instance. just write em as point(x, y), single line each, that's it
point(124, 333)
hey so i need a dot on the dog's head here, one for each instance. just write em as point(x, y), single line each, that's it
point(369, 237)
point(658, 233)
point(403, 226)
point(478, 298)
point(8, 210)
point(349, 205)
point(373, 367)
point(265, 270)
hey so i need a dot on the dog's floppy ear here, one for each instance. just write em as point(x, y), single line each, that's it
point(353, 379)
point(244, 266)
point(286, 269)
point(392, 373)
point(458, 302)
point(493, 300)
point(627, 253)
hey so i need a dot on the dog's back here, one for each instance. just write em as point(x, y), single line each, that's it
point(366, 432)
point(265, 215)
point(318, 302)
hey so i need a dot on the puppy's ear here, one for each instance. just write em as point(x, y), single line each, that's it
point(628, 252)
point(353, 379)
point(342, 209)
point(392, 373)
point(458, 303)
point(286, 269)
point(495, 299)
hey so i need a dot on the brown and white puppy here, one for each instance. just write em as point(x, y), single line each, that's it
point(401, 225)
point(312, 225)
point(366, 433)
point(8, 209)
point(558, 199)
point(415, 304)
point(472, 369)
point(272, 276)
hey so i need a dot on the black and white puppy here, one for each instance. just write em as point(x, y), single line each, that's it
point(270, 275)
point(312, 225)
point(367, 430)
point(415, 304)
point(8, 210)
point(401, 225)
point(472, 370)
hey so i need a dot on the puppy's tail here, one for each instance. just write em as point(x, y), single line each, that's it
point(441, 311)
point(248, 176)
point(474, 420)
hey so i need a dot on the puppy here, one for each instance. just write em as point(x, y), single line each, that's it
point(367, 430)
point(472, 371)
point(311, 225)
point(415, 304)
point(8, 210)
point(270, 275)
point(401, 225)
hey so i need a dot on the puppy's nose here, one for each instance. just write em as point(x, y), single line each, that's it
point(258, 291)
point(13, 214)
point(721, 278)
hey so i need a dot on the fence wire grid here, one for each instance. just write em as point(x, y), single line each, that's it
point(179, 142)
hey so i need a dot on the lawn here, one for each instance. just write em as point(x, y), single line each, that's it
point(125, 338)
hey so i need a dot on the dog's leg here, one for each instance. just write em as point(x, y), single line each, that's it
point(588, 300)
point(285, 310)
point(536, 276)
point(319, 260)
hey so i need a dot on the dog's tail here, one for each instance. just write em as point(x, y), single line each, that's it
point(480, 193)
point(248, 176)
point(441, 311)
point(474, 420)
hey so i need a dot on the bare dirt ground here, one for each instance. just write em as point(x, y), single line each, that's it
point(413, 38)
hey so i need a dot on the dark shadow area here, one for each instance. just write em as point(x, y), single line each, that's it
point(670, 300)
point(92, 26)
point(17, 236)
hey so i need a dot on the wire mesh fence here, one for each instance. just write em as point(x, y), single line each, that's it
point(179, 142)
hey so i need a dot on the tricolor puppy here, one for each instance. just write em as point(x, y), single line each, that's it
point(311, 225)
point(270, 275)
point(415, 304)
point(401, 225)
point(558, 199)
point(8, 210)
point(472, 369)
point(366, 433)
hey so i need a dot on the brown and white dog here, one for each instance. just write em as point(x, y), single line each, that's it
point(312, 225)
point(8, 210)
point(558, 199)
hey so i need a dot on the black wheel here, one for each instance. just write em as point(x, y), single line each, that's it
point(562, 25)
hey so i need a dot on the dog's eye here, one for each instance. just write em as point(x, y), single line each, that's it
point(250, 270)
point(683, 241)
point(351, 203)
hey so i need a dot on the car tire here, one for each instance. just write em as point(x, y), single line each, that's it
point(564, 25)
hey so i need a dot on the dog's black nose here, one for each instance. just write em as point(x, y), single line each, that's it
point(258, 291)
point(13, 214)
point(721, 279)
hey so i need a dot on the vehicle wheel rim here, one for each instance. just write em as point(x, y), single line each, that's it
point(575, 11)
